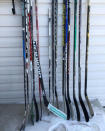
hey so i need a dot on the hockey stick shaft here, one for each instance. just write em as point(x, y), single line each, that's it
point(49, 41)
point(86, 60)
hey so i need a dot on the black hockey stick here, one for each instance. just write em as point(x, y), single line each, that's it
point(54, 48)
point(26, 95)
point(49, 50)
point(86, 60)
point(68, 63)
point(79, 67)
point(64, 57)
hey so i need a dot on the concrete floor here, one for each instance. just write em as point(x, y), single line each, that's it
point(11, 117)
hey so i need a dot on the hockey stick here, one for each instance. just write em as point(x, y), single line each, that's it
point(68, 63)
point(74, 54)
point(25, 57)
point(54, 48)
point(49, 50)
point(66, 71)
point(32, 63)
point(79, 67)
point(46, 103)
point(37, 32)
point(86, 60)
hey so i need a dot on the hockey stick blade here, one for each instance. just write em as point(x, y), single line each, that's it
point(84, 109)
point(77, 109)
point(90, 106)
point(57, 112)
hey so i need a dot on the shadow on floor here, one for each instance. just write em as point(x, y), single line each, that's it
point(11, 116)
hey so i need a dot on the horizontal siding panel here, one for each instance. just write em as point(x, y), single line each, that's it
point(9, 52)
point(98, 2)
point(95, 75)
point(97, 40)
point(12, 87)
point(11, 79)
point(8, 1)
point(11, 95)
point(97, 30)
point(13, 21)
point(15, 42)
point(100, 21)
point(10, 32)
point(96, 59)
point(94, 67)
point(11, 70)
point(12, 101)
point(10, 61)
point(98, 9)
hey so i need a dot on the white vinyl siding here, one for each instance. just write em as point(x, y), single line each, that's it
point(11, 59)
